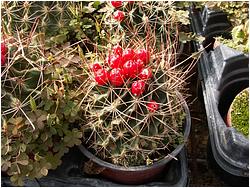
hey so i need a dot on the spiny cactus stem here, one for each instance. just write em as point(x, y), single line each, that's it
point(167, 126)
point(87, 94)
point(149, 93)
point(9, 111)
point(121, 115)
point(150, 138)
point(171, 111)
point(145, 122)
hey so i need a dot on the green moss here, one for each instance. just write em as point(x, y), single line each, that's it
point(240, 112)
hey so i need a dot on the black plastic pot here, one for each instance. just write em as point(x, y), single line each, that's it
point(139, 174)
point(228, 178)
point(223, 73)
point(70, 174)
point(210, 23)
point(222, 78)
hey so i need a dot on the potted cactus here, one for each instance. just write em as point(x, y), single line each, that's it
point(122, 100)
point(137, 119)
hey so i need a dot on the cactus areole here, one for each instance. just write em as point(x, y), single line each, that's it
point(134, 119)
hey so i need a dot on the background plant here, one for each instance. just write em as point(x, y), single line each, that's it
point(238, 14)
point(39, 79)
point(39, 111)
point(240, 112)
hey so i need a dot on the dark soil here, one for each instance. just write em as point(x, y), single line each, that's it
point(200, 172)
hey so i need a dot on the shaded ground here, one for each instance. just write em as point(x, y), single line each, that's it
point(200, 173)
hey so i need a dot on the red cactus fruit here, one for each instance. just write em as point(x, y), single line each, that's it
point(152, 106)
point(116, 4)
point(119, 15)
point(101, 77)
point(95, 67)
point(115, 61)
point(144, 55)
point(128, 54)
point(117, 50)
point(145, 74)
point(138, 87)
point(116, 77)
point(130, 69)
point(4, 50)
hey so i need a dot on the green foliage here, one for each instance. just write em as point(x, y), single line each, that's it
point(38, 108)
point(240, 112)
point(240, 40)
point(237, 10)
point(238, 14)
point(86, 21)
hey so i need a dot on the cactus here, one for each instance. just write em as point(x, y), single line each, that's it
point(125, 130)
point(160, 16)
point(128, 124)
point(45, 16)
point(133, 111)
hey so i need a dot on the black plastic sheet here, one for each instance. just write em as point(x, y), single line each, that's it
point(70, 174)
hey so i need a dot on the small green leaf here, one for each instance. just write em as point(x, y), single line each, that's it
point(66, 139)
point(96, 4)
point(5, 165)
point(15, 121)
point(37, 157)
point(22, 147)
point(53, 130)
point(33, 104)
point(44, 137)
point(59, 38)
point(14, 178)
point(48, 105)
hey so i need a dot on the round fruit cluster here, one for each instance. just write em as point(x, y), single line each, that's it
point(124, 65)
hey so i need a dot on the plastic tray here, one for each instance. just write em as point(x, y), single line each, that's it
point(70, 174)
point(223, 73)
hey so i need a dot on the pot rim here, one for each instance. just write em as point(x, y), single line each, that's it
point(156, 164)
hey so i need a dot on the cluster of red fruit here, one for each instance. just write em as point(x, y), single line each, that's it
point(123, 65)
point(3, 53)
